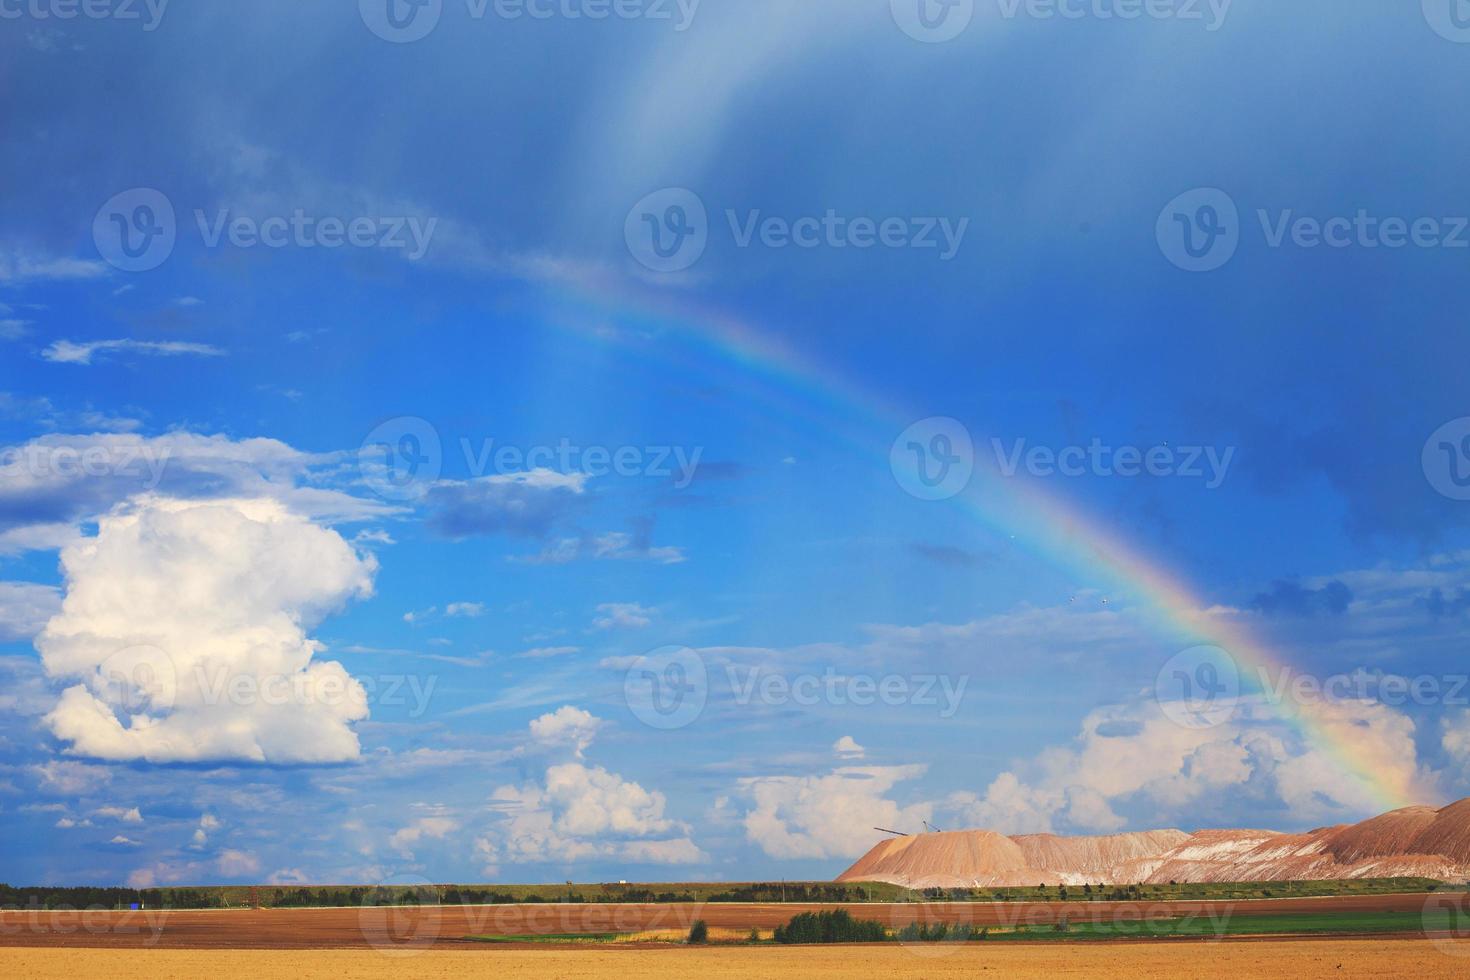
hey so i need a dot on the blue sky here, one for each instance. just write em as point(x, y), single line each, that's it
point(195, 495)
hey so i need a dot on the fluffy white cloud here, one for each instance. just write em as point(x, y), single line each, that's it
point(1008, 807)
point(1455, 737)
point(828, 816)
point(288, 876)
point(431, 828)
point(1379, 740)
point(237, 864)
point(25, 608)
point(170, 873)
point(185, 624)
point(1135, 755)
point(208, 824)
point(581, 813)
point(847, 748)
point(567, 726)
point(120, 814)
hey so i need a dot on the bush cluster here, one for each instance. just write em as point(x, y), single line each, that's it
point(835, 926)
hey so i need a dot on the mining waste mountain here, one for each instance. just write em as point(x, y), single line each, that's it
point(1416, 841)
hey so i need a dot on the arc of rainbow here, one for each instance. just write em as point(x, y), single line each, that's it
point(1049, 526)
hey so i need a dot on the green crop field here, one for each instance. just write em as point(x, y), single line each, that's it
point(1204, 927)
point(1185, 927)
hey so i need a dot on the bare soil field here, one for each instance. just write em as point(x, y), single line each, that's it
point(439, 925)
point(1237, 961)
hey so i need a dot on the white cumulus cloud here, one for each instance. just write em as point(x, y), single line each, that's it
point(830, 815)
point(566, 726)
point(582, 813)
point(184, 625)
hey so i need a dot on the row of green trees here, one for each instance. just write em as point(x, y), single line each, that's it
point(68, 898)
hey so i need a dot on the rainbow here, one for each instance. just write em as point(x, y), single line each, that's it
point(1038, 520)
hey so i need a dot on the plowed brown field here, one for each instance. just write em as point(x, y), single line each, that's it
point(377, 927)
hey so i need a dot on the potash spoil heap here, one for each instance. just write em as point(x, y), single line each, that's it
point(1415, 842)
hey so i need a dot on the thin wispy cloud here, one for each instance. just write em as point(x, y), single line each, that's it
point(68, 352)
point(18, 266)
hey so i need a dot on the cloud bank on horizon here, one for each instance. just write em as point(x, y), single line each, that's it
point(450, 465)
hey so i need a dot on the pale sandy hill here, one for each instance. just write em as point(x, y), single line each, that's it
point(1095, 855)
point(931, 860)
point(1415, 841)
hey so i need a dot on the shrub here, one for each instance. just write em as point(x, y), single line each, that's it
point(937, 933)
point(698, 933)
point(836, 926)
